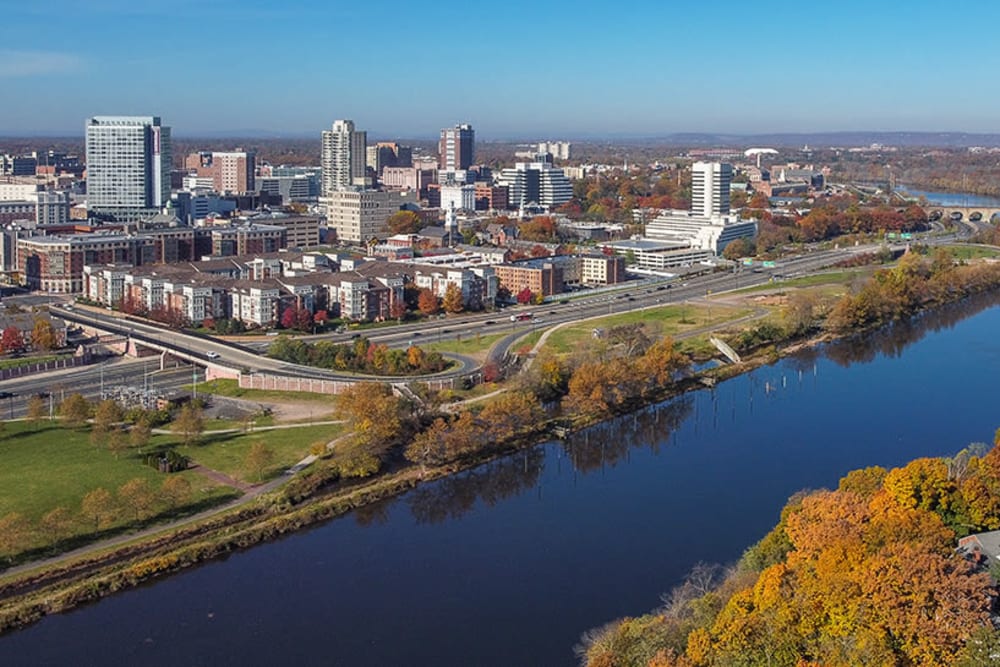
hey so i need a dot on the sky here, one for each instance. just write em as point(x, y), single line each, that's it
point(515, 69)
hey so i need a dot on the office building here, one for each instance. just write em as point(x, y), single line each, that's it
point(536, 183)
point(229, 171)
point(343, 157)
point(128, 166)
point(457, 148)
point(710, 183)
point(359, 216)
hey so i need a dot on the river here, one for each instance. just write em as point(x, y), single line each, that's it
point(950, 198)
point(509, 563)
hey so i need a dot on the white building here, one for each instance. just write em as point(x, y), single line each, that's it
point(710, 183)
point(536, 182)
point(458, 197)
point(128, 166)
point(342, 157)
point(559, 150)
point(359, 216)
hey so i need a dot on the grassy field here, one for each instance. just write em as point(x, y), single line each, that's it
point(227, 452)
point(470, 344)
point(829, 278)
point(669, 320)
point(965, 252)
point(49, 466)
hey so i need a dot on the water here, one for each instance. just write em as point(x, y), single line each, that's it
point(951, 198)
point(508, 564)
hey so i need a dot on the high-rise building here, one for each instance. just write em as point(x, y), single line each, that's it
point(343, 157)
point(128, 166)
point(710, 183)
point(229, 171)
point(536, 183)
point(457, 148)
point(360, 216)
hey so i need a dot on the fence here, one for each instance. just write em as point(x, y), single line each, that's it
point(54, 364)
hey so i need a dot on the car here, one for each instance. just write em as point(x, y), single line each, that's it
point(355, 335)
point(489, 322)
point(418, 333)
point(662, 287)
point(212, 355)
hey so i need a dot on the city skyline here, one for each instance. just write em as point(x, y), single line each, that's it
point(569, 71)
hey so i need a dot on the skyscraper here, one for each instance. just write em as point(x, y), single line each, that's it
point(710, 183)
point(343, 157)
point(128, 166)
point(457, 148)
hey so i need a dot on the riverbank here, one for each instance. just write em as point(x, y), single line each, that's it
point(267, 519)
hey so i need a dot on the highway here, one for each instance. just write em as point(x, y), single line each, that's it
point(581, 305)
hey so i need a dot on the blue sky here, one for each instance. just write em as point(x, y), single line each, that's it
point(514, 69)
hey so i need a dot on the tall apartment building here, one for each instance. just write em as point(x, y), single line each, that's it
point(388, 154)
point(230, 171)
point(342, 157)
point(559, 150)
point(359, 216)
point(457, 148)
point(710, 183)
point(128, 166)
point(536, 182)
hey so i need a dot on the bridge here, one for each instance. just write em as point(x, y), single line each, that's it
point(987, 212)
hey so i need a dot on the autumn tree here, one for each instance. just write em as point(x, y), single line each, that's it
point(139, 434)
point(107, 414)
point(137, 496)
point(57, 523)
point(404, 222)
point(75, 410)
point(524, 296)
point(510, 414)
point(259, 459)
point(176, 490)
point(15, 533)
point(37, 409)
point(11, 340)
point(99, 505)
point(428, 302)
point(189, 423)
point(43, 335)
point(374, 414)
point(453, 301)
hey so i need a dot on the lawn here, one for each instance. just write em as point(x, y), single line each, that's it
point(669, 320)
point(470, 344)
point(966, 252)
point(28, 361)
point(829, 278)
point(227, 452)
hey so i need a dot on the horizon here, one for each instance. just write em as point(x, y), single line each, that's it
point(654, 71)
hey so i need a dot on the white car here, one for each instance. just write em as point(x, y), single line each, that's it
point(212, 355)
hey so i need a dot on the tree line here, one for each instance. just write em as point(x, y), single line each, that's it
point(360, 356)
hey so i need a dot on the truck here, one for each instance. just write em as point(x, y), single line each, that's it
point(521, 317)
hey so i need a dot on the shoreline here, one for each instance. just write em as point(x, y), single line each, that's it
point(34, 593)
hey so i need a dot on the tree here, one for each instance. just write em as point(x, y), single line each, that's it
point(189, 423)
point(139, 434)
point(428, 302)
point(404, 222)
point(57, 522)
point(15, 532)
point(288, 318)
point(259, 459)
point(303, 319)
point(524, 296)
point(99, 505)
point(11, 340)
point(116, 440)
point(321, 318)
point(397, 309)
point(43, 335)
point(136, 495)
point(374, 414)
point(176, 490)
point(107, 414)
point(75, 410)
point(37, 410)
point(452, 301)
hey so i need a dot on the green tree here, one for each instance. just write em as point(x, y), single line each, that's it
point(137, 496)
point(189, 423)
point(75, 410)
point(99, 505)
point(259, 459)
